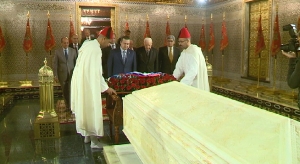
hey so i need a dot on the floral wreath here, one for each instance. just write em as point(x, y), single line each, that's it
point(135, 80)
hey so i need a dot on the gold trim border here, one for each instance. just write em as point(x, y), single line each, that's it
point(270, 5)
point(170, 2)
point(114, 20)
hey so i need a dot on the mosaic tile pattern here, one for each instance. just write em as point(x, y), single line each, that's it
point(14, 58)
point(288, 14)
point(13, 16)
point(257, 9)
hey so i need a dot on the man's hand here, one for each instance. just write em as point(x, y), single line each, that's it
point(111, 91)
point(289, 54)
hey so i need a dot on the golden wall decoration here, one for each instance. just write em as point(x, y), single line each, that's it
point(162, 1)
point(236, 56)
point(288, 13)
point(257, 8)
point(113, 14)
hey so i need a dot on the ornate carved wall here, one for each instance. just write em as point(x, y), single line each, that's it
point(288, 12)
point(13, 23)
point(13, 20)
point(157, 21)
point(234, 13)
point(256, 9)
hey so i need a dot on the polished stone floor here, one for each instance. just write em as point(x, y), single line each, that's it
point(18, 146)
point(284, 97)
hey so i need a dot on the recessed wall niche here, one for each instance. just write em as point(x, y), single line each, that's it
point(95, 17)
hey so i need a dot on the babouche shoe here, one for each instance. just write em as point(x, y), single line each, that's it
point(87, 139)
point(95, 144)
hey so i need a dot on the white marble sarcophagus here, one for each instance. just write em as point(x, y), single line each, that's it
point(174, 123)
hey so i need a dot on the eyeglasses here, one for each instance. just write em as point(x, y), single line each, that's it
point(181, 41)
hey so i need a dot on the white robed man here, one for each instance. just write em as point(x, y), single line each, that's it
point(86, 87)
point(191, 68)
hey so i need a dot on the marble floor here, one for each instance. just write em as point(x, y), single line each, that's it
point(284, 97)
point(17, 143)
point(18, 146)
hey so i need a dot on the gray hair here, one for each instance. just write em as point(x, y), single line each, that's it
point(171, 37)
point(147, 39)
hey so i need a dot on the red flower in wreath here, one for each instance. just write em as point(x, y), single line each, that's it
point(135, 81)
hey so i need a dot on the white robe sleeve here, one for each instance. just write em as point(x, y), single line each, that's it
point(191, 70)
point(177, 73)
point(104, 85)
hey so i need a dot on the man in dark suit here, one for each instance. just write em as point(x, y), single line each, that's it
point(147, 57)
point(112, 42)
point(104, 58)
point(168, 56)
point(126, 33)
point(121, 60)
point(75, 43)
point(63, 66)
point(87, 36)
point(105, 55)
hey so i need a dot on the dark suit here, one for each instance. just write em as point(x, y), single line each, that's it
point(76, 49)
point(84, 39)
point(115, 63)
point(63, 70)
point(165, 64)
point(104, 59)
point(147, 63)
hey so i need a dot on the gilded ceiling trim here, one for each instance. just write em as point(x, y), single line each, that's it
point(182, 2)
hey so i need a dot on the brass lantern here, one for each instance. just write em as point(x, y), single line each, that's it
point(46, 80)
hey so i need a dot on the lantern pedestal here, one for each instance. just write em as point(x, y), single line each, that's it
point(46, 128)
point(46, 124)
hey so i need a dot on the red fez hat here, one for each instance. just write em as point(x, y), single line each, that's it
point(107, 32)
point(184, 33)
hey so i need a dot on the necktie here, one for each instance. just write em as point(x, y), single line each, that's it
point(171, 54)
point(124, 57)
point(147, 52)
point(66, 54)
point(113, 46)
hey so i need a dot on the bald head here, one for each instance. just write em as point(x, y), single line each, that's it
point(148, 43)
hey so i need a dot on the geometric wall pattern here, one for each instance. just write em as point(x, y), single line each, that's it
point(13, 21)
point(259, 62)
point(288, 13)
